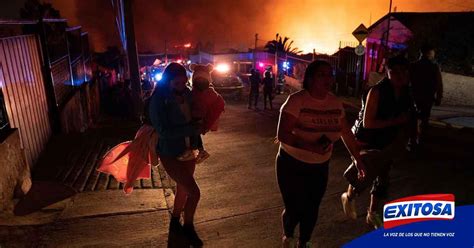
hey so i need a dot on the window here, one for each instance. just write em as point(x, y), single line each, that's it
point(245, 67)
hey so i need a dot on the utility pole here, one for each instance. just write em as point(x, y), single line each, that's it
point(132, 56)
point(255, 52)
point(276, 61)
point(388, 28)
point(358, 68)
point(166, 52)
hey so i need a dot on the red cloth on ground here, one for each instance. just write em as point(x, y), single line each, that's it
point(132, 160)
point(207, 105)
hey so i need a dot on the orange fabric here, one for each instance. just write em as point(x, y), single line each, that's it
point(132, 160)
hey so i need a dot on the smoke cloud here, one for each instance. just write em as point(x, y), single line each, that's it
point(317, 24)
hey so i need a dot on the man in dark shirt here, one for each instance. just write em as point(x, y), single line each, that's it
point(427, 88)
point(268, 86)
point(380, 131)
point(255, 82)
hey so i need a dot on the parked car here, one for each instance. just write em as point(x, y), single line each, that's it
point(228, 84)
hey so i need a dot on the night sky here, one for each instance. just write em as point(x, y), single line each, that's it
point(311, 24)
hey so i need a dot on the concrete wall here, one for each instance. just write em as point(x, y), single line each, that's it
point(72, 115)
point(458, 90)
point(14, 173)
point(81, 110)
point(293, 83)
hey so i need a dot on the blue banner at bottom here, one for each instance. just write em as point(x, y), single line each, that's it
point(458, 232)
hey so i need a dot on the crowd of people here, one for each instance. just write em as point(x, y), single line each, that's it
point(115, 93)
point(256, 82)
point(311, 121)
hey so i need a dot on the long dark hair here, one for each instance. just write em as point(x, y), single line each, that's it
point(171, 71)
point(311, 70)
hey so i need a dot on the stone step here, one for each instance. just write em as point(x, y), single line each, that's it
point(89, 166)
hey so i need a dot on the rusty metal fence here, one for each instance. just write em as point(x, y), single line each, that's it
point(22, 84)
point(344, 63)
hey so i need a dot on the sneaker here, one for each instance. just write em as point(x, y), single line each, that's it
point(175, 225)
point(192, 236)
point(288, 242)
point(305, 245)
point(187, 156)
point(348, 205)
point(202, 155)
point(374, 219)
point(411, 147)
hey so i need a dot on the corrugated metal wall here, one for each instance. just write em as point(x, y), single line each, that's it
point(23, 88)
point(62, 80)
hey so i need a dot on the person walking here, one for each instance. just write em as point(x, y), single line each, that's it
point(268, 88)
point(427, 89)
point(255, 82)
point(311, 120)
point(381, 130)
point(170, 115)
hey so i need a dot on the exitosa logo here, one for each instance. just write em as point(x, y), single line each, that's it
point(418, 208)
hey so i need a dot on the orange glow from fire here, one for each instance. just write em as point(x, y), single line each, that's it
point(322, 24)
point(312, 24)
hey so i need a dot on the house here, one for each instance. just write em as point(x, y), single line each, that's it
point(452, 35)
point(46, 87)
point(449, 32)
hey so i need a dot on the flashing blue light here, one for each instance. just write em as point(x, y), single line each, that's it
point(286, 65)
point(158, 76)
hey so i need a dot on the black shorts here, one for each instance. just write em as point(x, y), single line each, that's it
point(377, 175)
